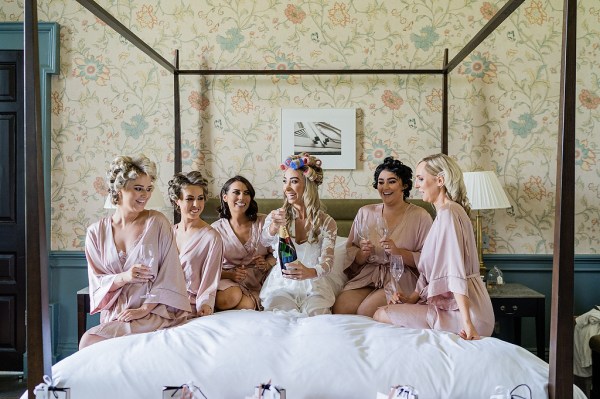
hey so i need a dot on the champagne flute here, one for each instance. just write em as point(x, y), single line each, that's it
point(383, 230)
point(146, 258)
point(362, 228)
point(396, 270)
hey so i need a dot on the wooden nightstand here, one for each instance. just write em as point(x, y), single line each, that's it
point(513, 301)
point(83, 308)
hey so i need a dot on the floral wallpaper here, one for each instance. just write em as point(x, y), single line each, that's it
point(111, 99)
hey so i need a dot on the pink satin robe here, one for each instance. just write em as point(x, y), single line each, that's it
point(201, 261)
point(236, 253)
point(449, 264)
point(104, 264)
point(409, 234)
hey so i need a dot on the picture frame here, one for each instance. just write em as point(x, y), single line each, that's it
point(327, 133)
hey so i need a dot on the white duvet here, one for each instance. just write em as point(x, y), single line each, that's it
point(329, 356)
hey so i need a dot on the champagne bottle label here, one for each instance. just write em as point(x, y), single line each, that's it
point(287, 251)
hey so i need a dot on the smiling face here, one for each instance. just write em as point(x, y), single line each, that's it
point(136, 194)
point(431, 187)
point(238, 197)
point(191, 201)
point(390, 187)
point(294, 185)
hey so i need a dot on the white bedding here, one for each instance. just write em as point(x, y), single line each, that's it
point(329, 356)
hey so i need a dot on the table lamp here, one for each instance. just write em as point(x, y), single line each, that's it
point(157, 200)
point(485, 192)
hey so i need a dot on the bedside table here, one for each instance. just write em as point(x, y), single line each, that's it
point(513, 301)
point(83, 308)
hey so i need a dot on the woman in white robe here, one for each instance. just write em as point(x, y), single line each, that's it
point(301, 286)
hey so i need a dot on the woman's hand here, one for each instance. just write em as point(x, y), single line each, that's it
point(365, 249)
point(469, 332)
point(399, 297)
point(260, 263)
point(205, 310)
point(137, 274)
point(277, 220)
point(297, 271)
point(133, 314)
point(237, 274)
point(388, 245)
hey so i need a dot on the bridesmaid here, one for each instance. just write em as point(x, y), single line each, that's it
point(200, 246)
point(450, 295)
point(135, 292)
point(245, 260)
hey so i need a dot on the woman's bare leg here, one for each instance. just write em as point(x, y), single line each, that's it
point(372, 302)
point(89, 339)
point(349, 301)
point(228, 298)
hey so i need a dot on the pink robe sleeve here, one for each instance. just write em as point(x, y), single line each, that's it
point(169, 283)
point(100, 274)
point(443, 269)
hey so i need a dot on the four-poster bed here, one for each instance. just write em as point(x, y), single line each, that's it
point(560, 382)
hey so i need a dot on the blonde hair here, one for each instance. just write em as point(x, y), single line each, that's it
point(454, 185)
point(123, 169)
point(313, 205)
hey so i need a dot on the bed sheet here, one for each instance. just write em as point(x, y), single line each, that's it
point(327, 356)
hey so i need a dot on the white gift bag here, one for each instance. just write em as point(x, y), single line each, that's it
point(400, 392)
point(185, 391)
point(46, 390)
point(268, 391)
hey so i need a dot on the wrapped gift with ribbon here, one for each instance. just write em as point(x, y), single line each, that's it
point(185, 391)
point(46, 390)
point(400, 392)
point(268, 391)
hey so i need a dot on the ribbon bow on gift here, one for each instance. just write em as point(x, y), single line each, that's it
point(187, 390)
point(44, 386)
point(267, 387)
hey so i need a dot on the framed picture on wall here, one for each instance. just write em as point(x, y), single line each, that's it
point(327, 133)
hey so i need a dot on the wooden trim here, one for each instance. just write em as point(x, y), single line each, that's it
point(492, 24)
point(39, 349)
point(560, 383)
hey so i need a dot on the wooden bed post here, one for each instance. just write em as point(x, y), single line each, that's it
point(177, 120)
point(445, 104)
point(561, 324)
point(39, 357)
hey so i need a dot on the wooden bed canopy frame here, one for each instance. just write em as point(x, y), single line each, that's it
point(561, 327)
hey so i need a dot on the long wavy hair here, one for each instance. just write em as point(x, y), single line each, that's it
point(124, 169)
point(223, 209)
point(313, 205)
point(454, 184)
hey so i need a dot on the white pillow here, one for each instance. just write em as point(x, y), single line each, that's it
point(337, 278)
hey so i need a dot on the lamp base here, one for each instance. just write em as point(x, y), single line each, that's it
point(482, 271)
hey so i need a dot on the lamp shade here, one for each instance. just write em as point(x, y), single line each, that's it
point(157, 200)
point(485, 191)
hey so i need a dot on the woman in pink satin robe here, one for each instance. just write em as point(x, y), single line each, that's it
point(450, 294)
point(135, 290)
point(368, 266)
point(245, 260)
point(200, 246)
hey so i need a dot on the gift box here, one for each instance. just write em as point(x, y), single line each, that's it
point(46, 390)
point(268, 391)
point(185, 391)
point(400, 392)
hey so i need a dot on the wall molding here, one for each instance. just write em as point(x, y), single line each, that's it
point(508, 262)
